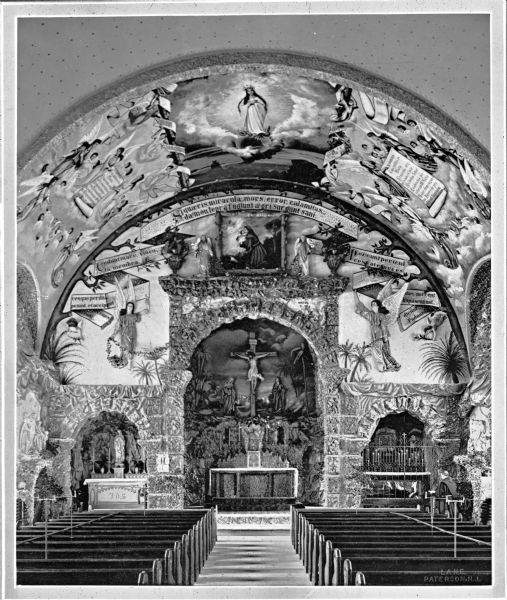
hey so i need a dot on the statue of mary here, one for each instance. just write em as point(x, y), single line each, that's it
point(256, 110)
point(119, 449)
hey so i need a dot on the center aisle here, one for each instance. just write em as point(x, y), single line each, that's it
point(252, 558)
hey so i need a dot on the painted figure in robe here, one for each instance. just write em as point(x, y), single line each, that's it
point(256, 110)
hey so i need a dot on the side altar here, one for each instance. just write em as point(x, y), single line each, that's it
point(116, 493)
point(115, 489)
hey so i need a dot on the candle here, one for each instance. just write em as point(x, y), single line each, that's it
point(109, 459)
point(93, 459)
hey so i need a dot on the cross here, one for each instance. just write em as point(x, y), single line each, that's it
point(253, 373)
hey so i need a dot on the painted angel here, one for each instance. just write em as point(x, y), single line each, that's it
point(203, 249)
point(122, 344)
point(382, 314)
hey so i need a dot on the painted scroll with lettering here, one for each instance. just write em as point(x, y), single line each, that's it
point(377, 261)
point(421, 298)
point(411, 315)
point(128, 260)
point(247, 202)
point(416, 180)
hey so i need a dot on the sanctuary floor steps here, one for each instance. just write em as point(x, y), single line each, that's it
point(252, 558)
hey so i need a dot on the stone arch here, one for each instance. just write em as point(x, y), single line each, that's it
point(218, 322)
point(431, 413)
point(88, 402)
point(311, 486)
point(232, 317)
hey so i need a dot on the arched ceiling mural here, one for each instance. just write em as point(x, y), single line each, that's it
point(333, 156)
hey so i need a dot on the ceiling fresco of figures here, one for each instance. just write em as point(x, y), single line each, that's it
point(375, 160)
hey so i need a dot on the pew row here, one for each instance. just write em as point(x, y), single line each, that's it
point(388, 548)
point(114, 548)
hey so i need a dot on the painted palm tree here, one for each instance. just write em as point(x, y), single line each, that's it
point(445, 360)
point(155, 354)
point(298, 359)
point(360, 360)
point(67, 356)
point(346, 351)
point(144, 372)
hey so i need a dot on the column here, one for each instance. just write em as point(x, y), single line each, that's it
point(165, 447)
point(61, 469)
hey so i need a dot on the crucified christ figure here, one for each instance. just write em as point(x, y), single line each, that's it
point(253, 372)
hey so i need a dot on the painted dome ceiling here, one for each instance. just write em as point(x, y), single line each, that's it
point(309, 135)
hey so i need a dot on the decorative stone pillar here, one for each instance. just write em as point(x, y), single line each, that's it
point(60, 469)
point(165, 448)
point(330, 379)
point(28, 470)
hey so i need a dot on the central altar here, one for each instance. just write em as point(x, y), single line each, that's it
point(262, 483)
point(254, 485)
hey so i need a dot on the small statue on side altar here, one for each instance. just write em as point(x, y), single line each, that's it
point(119, 449)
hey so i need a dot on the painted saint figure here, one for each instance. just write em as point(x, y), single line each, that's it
point(40, 438)
point(383, 313)
point(119, 449)
point(256, 109)
point(278, 393)
point(122, 344)
point(302, 250)
point(255, 253)
point(127, 328)
point(27, 433)
point(204, 253)
point(229, 396)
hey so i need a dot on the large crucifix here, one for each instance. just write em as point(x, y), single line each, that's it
point(253, 372)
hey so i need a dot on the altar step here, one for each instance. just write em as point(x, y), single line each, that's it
point(245, 559)
point(268, 522)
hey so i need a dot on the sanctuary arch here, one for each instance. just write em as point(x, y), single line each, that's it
point(175, 228)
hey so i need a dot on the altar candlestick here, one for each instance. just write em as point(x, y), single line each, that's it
point(108, 460)
point(93, 459)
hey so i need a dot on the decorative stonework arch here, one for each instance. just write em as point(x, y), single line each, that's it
point(85, 402)
point(431, 411)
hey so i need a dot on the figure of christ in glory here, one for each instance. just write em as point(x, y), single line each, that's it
point(253, 374)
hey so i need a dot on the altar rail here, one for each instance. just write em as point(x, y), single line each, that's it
point(365, 547)
point(397, 459)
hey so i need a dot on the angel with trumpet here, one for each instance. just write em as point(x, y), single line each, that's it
point(382, 314)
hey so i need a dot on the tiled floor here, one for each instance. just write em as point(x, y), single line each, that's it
point(252, 560)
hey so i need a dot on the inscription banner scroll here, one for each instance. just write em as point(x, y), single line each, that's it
point(257, 202)
point(128, 260)
point(416, 180)
point(378, 261)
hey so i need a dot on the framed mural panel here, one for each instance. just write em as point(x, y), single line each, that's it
point(252, 242)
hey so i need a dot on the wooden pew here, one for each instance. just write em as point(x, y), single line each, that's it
point(366, 542)
point(117, 553)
